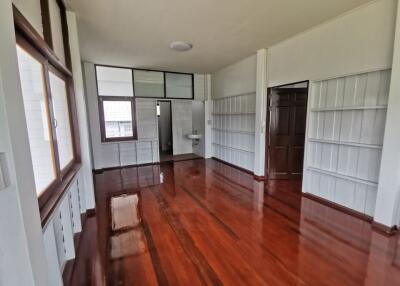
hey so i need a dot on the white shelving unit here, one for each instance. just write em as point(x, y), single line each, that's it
point(233, 129)
point(345, 128)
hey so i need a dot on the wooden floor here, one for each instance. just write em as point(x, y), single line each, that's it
point(202, 222)
point(166, 157)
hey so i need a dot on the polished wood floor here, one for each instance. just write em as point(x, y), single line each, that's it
point(201, 222)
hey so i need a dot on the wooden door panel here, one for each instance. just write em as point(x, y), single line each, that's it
point(280, 159)
point(300, 120)
point(297, 160)
point(280, 120)
point(287, 126)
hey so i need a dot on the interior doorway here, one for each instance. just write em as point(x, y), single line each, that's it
point(286, 115)
point(164, 115)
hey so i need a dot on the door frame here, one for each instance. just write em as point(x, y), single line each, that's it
point(267, 122)
point(158, 127)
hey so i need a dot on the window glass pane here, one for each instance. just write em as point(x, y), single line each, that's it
point(118, 119)
point(58, 89)
point(37, 119)
point(56, 30)
point(178, 85)
point(114, 81)
point(148, 83)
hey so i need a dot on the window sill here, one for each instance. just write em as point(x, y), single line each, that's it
point(46, 211)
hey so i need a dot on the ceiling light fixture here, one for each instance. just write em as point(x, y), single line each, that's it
point(181, 46)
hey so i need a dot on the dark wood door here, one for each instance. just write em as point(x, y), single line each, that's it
point(287, 125)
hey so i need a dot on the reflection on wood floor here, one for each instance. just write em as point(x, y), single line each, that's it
point(202, 222)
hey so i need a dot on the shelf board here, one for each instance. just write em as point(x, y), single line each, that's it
point(236, 113)
point(233, 148)
point(345, 108)
point(234, 131)
point(353, 144)
point(345, 177)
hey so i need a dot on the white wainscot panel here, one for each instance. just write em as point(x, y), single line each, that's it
point(346, 124)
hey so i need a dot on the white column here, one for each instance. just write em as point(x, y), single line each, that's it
point(207, 114)
point(22, 251)
point(83, 120)
point(387, 203)
point(261, 95)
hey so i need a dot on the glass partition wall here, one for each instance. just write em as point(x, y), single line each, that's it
point(117, 88)
point(129, 82)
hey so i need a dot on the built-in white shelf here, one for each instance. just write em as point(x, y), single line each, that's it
point(233, 148)
point(236, 113)
point(342, 176)
point(353, 108)
point(354, 144)
point(229, 115)
point(233, 131)
point(345, 108)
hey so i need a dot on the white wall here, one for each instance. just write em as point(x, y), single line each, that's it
point(22, 253)
point(199, 87)
point(198, 119)
point(84, 136)
point(346, 123)
point(233, 113)
point(359, 41)
point(238, 78)
point(181, 126)
point(387, 209)
point(32, 12)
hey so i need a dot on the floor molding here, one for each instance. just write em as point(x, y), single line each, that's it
point(256, 177)
point(100, 171)
point(384, 228)
point(233, 166)
point(90, 212)
point(341, 208)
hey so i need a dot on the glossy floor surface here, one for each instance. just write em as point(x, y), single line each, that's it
point(201, 222)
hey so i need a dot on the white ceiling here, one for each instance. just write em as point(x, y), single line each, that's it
point(138, 32)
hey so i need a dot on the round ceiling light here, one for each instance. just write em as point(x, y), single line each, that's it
point(181, 46)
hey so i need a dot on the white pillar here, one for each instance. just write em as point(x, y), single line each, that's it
point(207, 113)
point(83, 120)
point(261, 95)
point(22, 251)
point(387, 203)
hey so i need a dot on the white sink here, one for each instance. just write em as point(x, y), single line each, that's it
point(194, 136)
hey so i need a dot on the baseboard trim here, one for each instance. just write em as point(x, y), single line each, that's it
point(338, 207)
point(100, 171)
point(259, 178)
point(90, 212)
point(233, 166)
point(387, 230)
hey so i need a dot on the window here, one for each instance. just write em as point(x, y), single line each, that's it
point(179, 85)
point(48, 118)
point(37, 119)
point(56, 29)
point(58, 88)
point(116, 104)
point(114, 81)
point(149, 83)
